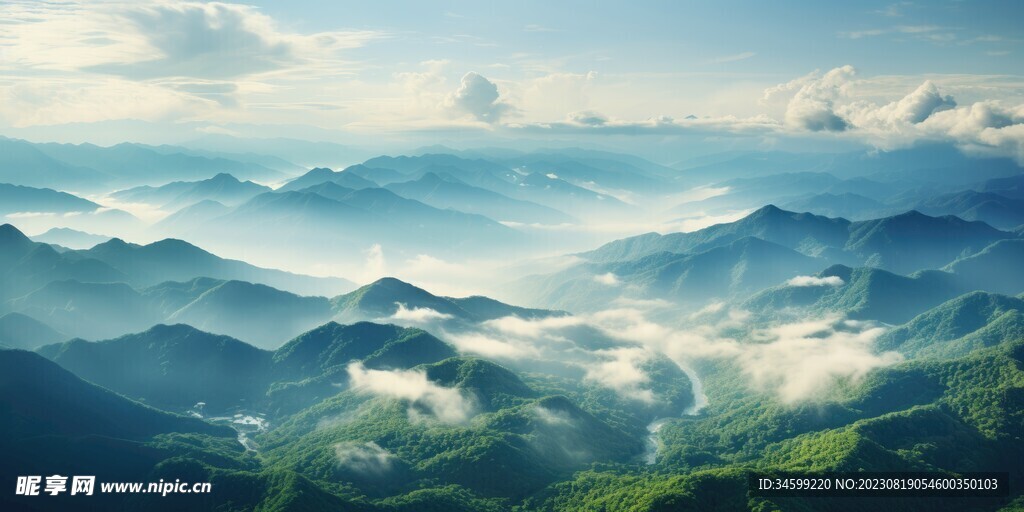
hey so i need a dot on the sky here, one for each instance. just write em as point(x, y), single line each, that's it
point(789, 74)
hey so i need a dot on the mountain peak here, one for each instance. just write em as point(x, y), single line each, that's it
point(10, 234)
point(768, 210)
point(391, 283)
point(224, 177)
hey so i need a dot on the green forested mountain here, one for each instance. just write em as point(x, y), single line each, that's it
point(170, 366)
point(997, 268)
point(381, 299)
point(865, 293)
point(959, 326)
point(253, 312)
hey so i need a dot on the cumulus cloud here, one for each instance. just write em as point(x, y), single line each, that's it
point(803, 281)
point(417, 315)
point(478, 97)
point(364, 458)
point(812, 106)
point(426, 398)
point(827, 103)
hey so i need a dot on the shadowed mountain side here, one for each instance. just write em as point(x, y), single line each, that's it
point(902, 243)
point(223, 188)
point(864, 293)
point(998, 268)
point(959, 326)
point(383, 298)
point(319, 175)
point(177, 260)
point(70, 238)
point(449, 192)
point(336, 220)
point(26, 333)
point(255, 313)
point(178, 366)
point(730, 271)
point(171, 367)
point(41, 398)
point(21, 199)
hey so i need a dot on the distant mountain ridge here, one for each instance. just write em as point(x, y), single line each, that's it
point(223, 188)
point(903, 243)
point(91, 167)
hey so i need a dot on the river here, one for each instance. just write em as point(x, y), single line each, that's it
point(700, 401)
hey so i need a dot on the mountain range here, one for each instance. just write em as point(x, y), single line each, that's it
point(91, 167)
point(223, 188)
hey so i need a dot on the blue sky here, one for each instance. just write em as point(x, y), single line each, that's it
point(786, 37)
point(858, 74)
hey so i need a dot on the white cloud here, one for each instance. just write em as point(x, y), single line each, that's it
point(811, 107)
point(448, 405)
point(374, 266)
point(828, 103)
point(491, 346)
point(365, 458)
point(417, 316)
point(478, 97)
point(803, 281)
point(155, 61)
point(608, 279)
point(732, 58)
point(552, 417)
point(798, 361)
point(620, 370)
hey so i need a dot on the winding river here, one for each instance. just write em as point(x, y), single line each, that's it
point(700, 400)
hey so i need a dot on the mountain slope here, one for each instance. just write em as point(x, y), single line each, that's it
point(993, 209)
point(449, 192)
point(801, 231)
point(957, 327)
point(70, 238)
point(997, 268)
point(26, 333)
point(26, 265)
point(320, 175)
point(171, 367)
point(256, 313)
point(381, 299)
point(902, 243)
point(914, 241)
point(177, 260)
point(223, 188)
point(378, 346)
point(863, 293)
point(17, 198)
point(41, 398)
